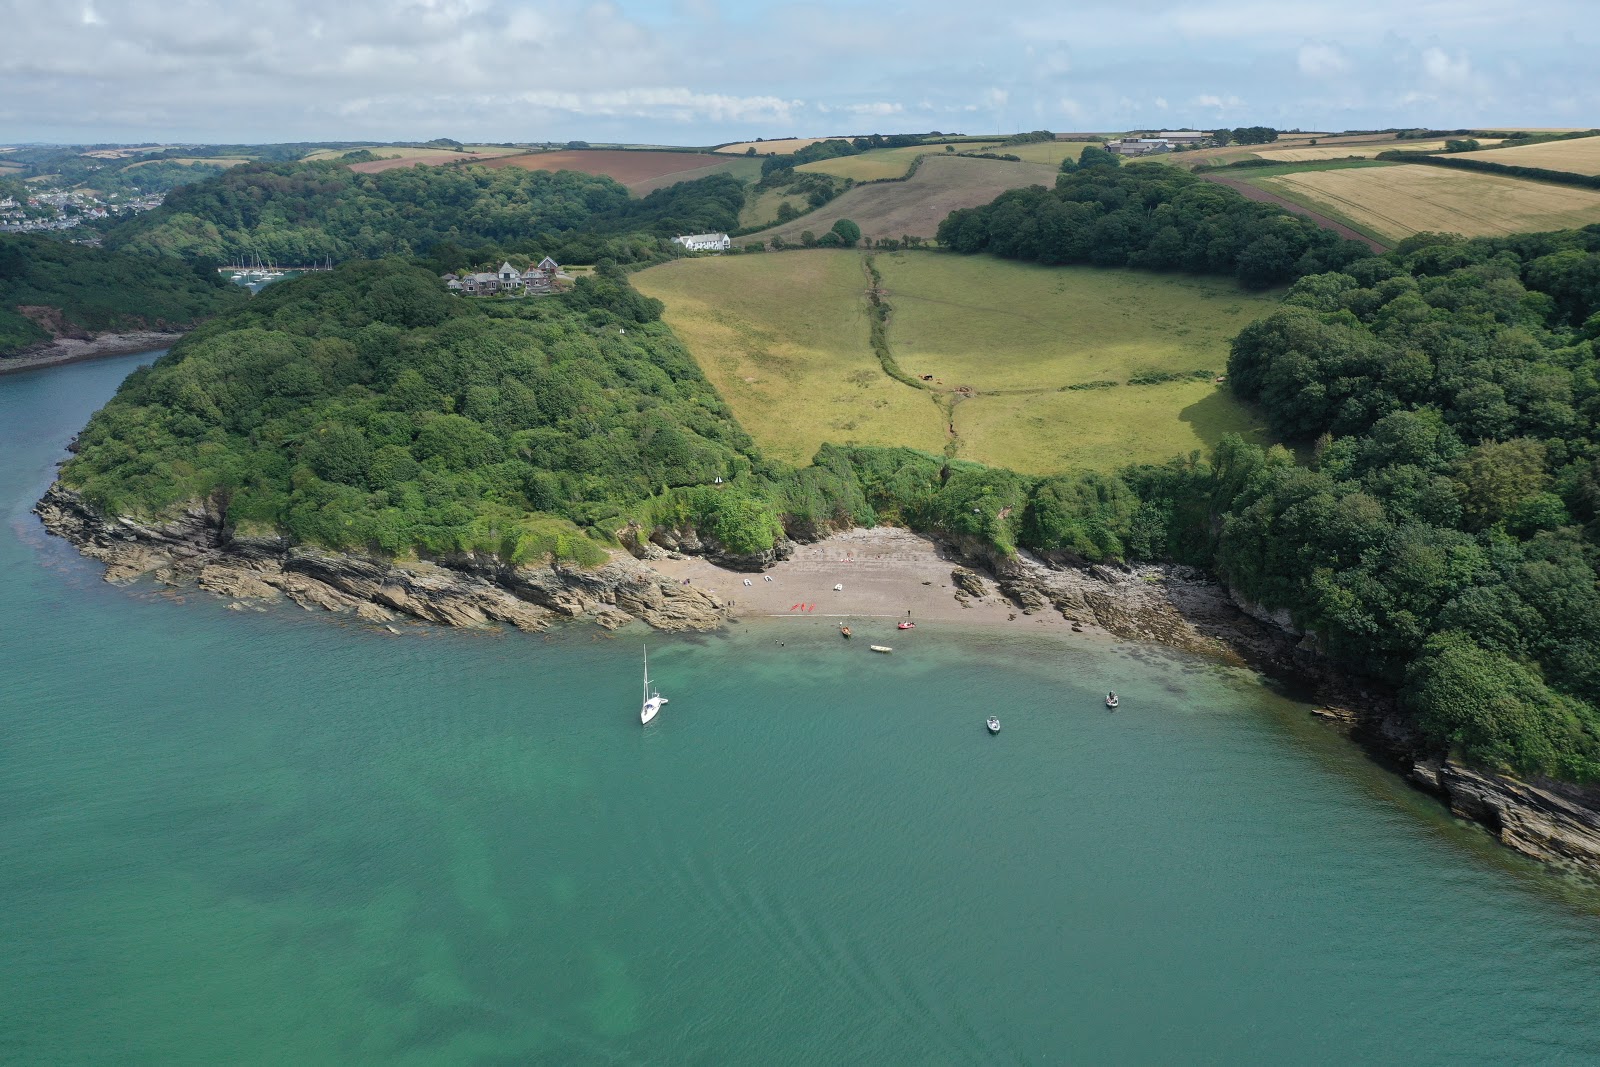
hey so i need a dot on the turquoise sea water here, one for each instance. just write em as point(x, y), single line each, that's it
point(276, 838)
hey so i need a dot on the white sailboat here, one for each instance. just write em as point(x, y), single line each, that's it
point(652, 700)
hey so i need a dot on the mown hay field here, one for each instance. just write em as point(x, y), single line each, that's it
point(1395, 202)
point(785, 338)
point(916, 206)
point(1581, 155)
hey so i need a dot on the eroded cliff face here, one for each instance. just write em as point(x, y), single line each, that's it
point(459, 591)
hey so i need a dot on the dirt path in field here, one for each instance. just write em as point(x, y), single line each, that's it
point(1255, 192)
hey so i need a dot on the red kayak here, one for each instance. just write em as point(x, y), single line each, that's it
point(907, 626)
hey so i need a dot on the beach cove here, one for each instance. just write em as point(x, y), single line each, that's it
point(259, 836)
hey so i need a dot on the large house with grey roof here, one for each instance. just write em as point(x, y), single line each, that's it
point(705, 242)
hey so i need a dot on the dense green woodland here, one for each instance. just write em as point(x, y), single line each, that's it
point(97, 290)
point(1438, 532)
point(296, 213)
point(1150, 216)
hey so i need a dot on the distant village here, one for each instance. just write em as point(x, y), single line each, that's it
point(65, 210)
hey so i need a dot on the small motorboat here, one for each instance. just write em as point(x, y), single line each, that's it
point(1111, 700)
point(885, 649)
point(906, 626)
point(993, 724)
point(844, 631)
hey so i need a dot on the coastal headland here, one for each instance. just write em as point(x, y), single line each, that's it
point(884, 575)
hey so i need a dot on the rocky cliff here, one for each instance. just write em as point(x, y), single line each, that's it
point(459, 591)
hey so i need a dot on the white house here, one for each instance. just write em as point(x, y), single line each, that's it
point(705, 242)
point(1184, 136)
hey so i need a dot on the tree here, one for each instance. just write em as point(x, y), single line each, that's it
point(849, 233)
point(808, 238)
point(750, 151)
point(1222, 137)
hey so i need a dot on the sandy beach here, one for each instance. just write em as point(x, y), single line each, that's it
point(886, 574)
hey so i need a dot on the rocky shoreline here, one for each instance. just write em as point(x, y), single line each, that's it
point(465, 591)
point(68, 349)
point(1175, 606)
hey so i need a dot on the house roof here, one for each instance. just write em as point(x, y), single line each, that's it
point(700, 237)
point(507, 268)
point(549, 264)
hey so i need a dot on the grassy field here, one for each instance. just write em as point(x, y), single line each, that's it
point(636, 170)
point(1581, 155)
point(1101, 429)
point(782, 147)
point(880, 163)
point(762, 209)
point(999, 324)
point(1395, 202)
point(917, 206)
point(1047, 152)
point(785, 339)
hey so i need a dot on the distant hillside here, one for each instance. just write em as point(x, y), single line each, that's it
point(67, 290)
point(302, 212)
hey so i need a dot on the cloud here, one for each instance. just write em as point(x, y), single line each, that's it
point(1322, 60)
point(1443, 70)
point(499, 70)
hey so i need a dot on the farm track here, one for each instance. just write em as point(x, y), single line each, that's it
point(1255, 192)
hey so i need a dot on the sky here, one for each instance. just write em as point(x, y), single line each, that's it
point(712, 71)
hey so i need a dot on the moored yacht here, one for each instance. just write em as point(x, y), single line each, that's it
point(652, 699)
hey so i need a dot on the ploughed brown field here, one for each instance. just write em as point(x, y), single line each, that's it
point(917, 205)
point(627, 167)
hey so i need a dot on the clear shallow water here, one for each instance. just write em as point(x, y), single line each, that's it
point(270, 838)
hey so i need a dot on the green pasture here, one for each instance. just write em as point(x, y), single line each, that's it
point(995, 324)
point(1100, 429)
point(881, 163)
point(1051, 152)
point(785, 338)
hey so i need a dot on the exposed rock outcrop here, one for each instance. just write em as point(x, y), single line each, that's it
point(459, 591)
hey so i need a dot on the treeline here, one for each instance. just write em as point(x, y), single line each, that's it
point(1246, 135)
point(303, 212)
point(1149, 216)
point(1510, 170)
point(97, 290)
point(1444, 535)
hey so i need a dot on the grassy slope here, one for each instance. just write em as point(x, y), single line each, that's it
point(1047, 152)
point(1101, 429)
point(998, 325)
point(784, 338)
point(876, 165)
point(1396, 202)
